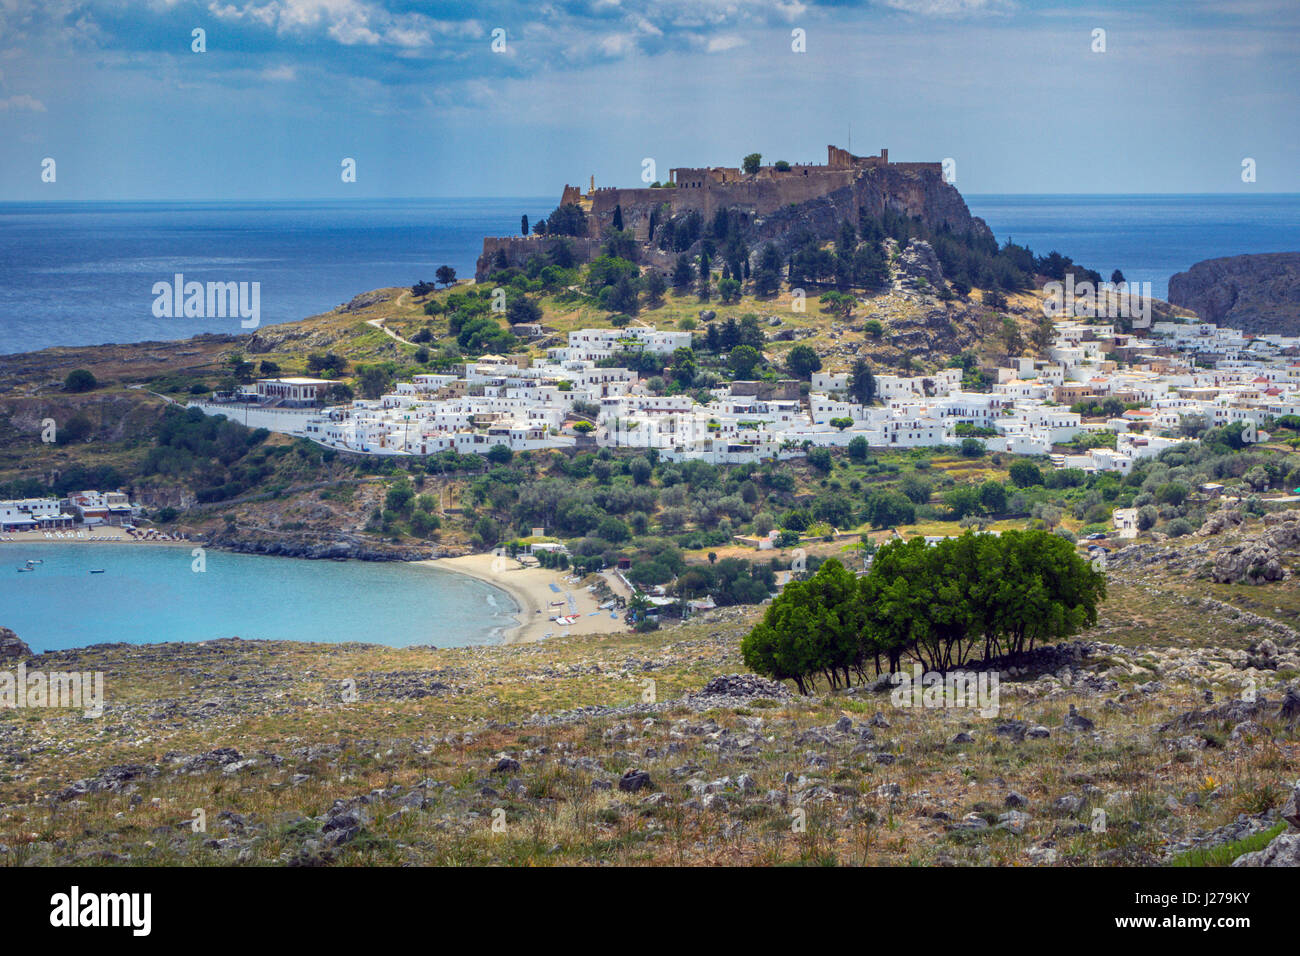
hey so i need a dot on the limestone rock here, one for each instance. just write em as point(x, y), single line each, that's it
point(11, 647)
point(1283, 851)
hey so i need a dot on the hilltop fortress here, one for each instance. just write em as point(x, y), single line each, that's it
point(776, 205)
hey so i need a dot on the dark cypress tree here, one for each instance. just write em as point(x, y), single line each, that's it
point(862, 384)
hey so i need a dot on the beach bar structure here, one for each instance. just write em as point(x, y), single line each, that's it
point(33, 514)
point(100, 507)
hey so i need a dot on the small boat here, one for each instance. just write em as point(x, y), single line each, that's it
point(21, 570)
point(96, 570)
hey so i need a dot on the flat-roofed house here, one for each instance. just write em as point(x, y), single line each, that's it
point(292, 391)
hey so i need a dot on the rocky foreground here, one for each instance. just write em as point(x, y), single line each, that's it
point(1120, 749)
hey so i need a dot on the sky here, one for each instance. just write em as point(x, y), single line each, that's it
point(518, 97)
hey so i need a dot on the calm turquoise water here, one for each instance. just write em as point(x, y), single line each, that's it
point(150, 594)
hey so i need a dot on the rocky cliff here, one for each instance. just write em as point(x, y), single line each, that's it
point(781, 211)
point(1255, 293)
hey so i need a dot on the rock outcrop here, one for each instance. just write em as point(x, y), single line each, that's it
point(918, 268)
point(1259, 559)
point(1255, 293)
point(11, 647)
point(1284, 850)
point(781, 207)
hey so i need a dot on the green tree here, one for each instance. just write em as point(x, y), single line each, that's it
point(811, 628)
point(623, 297)
point(802, 361)
point(523, 309)
point(640, 469)
point(1025, 474)
point(838, 303)
point(567, 220)
point(374, 380)
point(916, 488)
point(752, 162)
point(80, 380)
point(862, 384)
point(963, 500)
point(655, 286)
point(1013, 343)
point(703, 288)
point(767, 275)
point(78, 428)
point(889, 509)
point(684, 367)
point(743, 360)
point(239, 367)
point(683, 273)
point(1172, 493)
point(993, 497)
point(399, 497)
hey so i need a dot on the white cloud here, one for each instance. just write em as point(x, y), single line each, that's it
point(616, 44)
point(348, 22)
point(949, 8)
point(720, 44)
point(21, 101)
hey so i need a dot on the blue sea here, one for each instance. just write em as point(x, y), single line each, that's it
point(150, 594)
point(1148, 238)
point(82, 273)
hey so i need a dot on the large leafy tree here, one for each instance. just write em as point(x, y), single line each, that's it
point(802, 361)
point(936, 603)
point(743, 360)
point(813, 627)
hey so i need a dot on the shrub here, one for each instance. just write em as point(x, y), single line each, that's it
point(80, 380)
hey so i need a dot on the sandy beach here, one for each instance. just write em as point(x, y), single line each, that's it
point(531, 589)
point(103, 534)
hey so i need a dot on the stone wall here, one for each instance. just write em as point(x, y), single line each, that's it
point(779, 203)
point(519, 249)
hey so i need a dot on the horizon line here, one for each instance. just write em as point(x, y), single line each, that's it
point(502, 198)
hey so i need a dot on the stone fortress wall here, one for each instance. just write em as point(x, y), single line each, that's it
point(847, 181)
